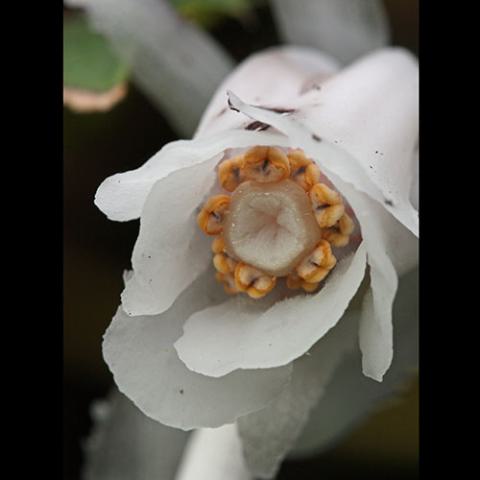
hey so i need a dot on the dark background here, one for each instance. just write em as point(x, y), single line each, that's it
point(96, 251)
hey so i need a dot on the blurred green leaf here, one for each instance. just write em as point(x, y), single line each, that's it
point(89, 63)
point(209, 12)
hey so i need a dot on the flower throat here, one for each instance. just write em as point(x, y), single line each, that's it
point(279, 220)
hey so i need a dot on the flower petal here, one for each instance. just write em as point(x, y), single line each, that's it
point(371, 110)
point(345, 29)
point(125, 444)
point(276, 77)
point(390, 249)
point(399, 243)
point(140, 354)
point(337, 414)
point(177, 64)
point(269, 434)
point(375, 124)
point(122, 196)
point(236, 336)
point(376, 331)
point(334, 161)
point(170, 251)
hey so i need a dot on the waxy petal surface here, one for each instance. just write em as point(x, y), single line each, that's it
point(239, 335)
point(139, 351)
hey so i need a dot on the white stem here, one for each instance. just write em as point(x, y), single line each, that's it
point(213, 454)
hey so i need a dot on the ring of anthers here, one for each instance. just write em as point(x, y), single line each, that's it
point(268, 165)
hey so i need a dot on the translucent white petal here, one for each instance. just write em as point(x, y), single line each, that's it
point(170, 251)
point(337, 413)
point(275, 77)
point(269, 434)
point(371, 125)
point(139, 351)
point(334, 161)
point(125, 444)
point(376, 330)
point(122, 196)
point(370, 110)
point(400, 244)
point(214, 454)
point(236, 335)
point(345, 29)
point(386, 242)
point(177, 64)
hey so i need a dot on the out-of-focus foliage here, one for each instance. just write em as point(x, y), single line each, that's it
point(88, 61)
point(210, 12)
point(174, 61)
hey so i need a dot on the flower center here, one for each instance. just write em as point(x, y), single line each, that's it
point(280, 220)
point(270, 226)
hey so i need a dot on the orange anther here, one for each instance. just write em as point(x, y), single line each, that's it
point(339, 234)
point(294, 282)
point(303, 170)
point(252, 281)
point(265, 283)
point(346, 225)
point(218, 245)
point(223, 263)
point(211, 216)
point(253, 292)
point(228, 282)
point(327, 205)
point(230, 173)
point(266, 164)
point(316, 266)
point(310, 287)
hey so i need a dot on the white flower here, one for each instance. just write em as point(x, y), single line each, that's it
point(188, 355)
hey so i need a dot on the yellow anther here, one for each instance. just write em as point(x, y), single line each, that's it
point(265, 283)
point(294, 282)
point(346, 225)
point(339, 234)
point(228, 282)
point(303, 170)
point(230, 173)
point(266, 164)
point(316, 266)
point(252, 281)
point(323, 195)
point(218, 245)
point(211, 216)
point(255, 293)
point(223, 263)
point(327, 205)
point(310, 287)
